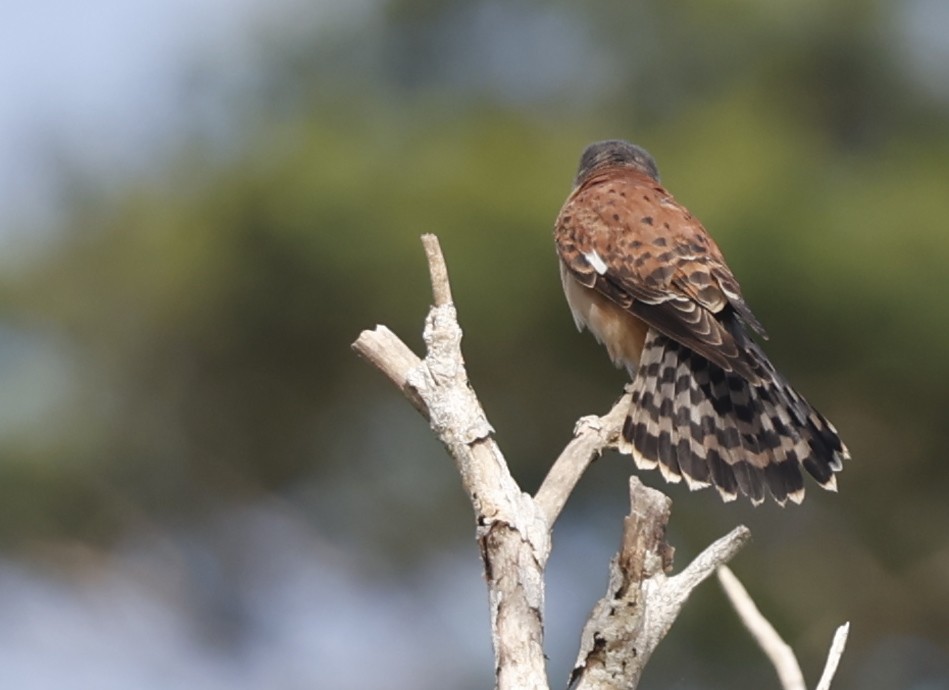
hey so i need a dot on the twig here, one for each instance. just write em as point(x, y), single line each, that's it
point(591, 435)
point(441, 288)
point(775, 648)
point(833, 656)
point(383, 350)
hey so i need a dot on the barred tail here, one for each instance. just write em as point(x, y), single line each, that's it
point(696, 421)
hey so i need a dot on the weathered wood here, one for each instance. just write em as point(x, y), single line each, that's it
point(514, 530)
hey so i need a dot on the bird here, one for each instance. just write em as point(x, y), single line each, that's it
point(707, 406)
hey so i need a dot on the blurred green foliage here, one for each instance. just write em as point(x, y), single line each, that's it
point(206, 313)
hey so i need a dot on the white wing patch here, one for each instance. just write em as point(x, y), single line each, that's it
point(594, 260)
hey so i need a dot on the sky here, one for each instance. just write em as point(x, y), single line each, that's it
point(95, 79)
point(98, 83)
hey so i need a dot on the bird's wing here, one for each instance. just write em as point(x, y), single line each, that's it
point(620, 233)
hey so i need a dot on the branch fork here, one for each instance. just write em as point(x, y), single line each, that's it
point(514, 528)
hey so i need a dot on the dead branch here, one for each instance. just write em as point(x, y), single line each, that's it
point(775, 648)
point(513, 529)
point(512, 532)
point(591, 435)
point(837, 647)
point(641, 602)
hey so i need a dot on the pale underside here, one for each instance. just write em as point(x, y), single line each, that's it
point(619, 331)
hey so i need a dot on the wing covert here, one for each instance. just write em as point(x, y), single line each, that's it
point(625, 237)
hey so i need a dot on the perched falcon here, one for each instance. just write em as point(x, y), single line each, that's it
point(652, 286)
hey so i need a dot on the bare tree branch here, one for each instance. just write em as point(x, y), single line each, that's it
point(775, 648)
point(441, 288)
point(512, 532)
point(667, 596)
point(591, 435)
point(513, 529)
point(833, 656)
point(383, 350)
point(641, 603)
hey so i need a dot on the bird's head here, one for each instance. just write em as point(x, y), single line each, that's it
point(615, 152)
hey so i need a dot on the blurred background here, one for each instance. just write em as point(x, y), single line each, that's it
point(203, 202)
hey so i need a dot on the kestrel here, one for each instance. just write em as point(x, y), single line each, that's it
point(643, 275)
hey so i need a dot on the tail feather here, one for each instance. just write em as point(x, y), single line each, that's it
point(668, 450)
point(746, 413)
point(690, 454)
point(696, 421)
point(750, 478)
point(711, 434)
